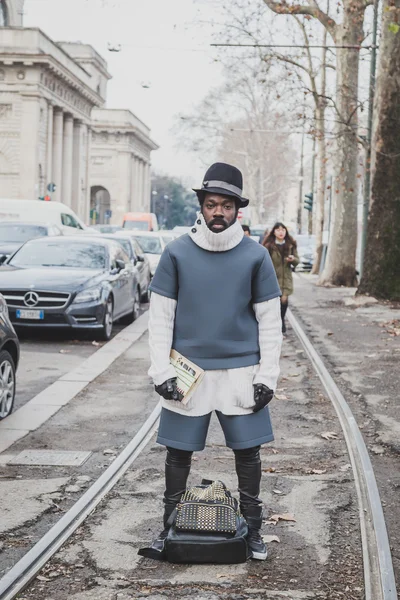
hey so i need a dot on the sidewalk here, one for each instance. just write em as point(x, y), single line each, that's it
point(359, 340)
point(98, 421)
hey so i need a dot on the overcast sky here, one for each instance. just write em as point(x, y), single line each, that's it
point(161, 48)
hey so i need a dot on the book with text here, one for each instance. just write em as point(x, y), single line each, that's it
point(189, 375)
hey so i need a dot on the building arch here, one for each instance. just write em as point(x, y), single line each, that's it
point(100, 205)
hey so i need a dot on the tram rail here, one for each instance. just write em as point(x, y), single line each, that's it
point(378, 569)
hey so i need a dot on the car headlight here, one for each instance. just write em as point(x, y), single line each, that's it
point(89, 295)
point(3, 307)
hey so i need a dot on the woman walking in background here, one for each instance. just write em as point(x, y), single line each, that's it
point(283, 251)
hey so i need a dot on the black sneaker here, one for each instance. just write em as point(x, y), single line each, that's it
point(159, 542)
point(156, 550)
point(256, 546)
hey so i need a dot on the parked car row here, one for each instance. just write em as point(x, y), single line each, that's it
point(57, 273)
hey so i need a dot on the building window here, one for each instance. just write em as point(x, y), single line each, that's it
point(3, 14)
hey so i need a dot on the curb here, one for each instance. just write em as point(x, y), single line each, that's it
point(48, 402)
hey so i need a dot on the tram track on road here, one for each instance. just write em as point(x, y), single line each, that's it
point(378, 570)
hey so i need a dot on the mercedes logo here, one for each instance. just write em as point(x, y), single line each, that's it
point(31, 299)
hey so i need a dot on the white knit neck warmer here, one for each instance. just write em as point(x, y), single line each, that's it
point(215, 242)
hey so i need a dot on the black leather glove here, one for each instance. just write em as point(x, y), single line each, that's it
point(262, 396)
point(168, 390)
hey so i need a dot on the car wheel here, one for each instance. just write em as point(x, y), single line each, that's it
point(108, 321)
point(7, 384)
point(134, 314)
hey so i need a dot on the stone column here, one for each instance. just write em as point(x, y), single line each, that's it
point(133, 183)
point(147, 186)
point(139, 185)
point(86, 211)
point(49, 145)
point(57, 156)
point(30, 170)
point(136, 198)
point(77, 171)
point(68, 148)
point(143, 186)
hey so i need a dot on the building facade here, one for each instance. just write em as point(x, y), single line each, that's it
point(53, 127)
point(120, 164)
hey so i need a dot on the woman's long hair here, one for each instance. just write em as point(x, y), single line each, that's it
point(290, 242)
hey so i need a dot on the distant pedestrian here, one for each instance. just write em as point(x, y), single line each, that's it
point(246, 230)
point(263, 236)
point(283, 251)
point(215, 300)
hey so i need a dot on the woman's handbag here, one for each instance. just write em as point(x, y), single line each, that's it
point(206, 527)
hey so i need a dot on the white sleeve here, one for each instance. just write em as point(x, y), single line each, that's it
point(161, 330)
point(268, 315)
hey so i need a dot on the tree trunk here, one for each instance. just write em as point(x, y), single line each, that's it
point(321, 184)
point(340, 263)
point(381, 273)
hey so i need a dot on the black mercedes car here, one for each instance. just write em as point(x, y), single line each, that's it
point(9, 358)
point(77, 283)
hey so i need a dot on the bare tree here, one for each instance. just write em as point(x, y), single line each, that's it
point(306, 71)
point(347, 36)
point(382, 255)
point(241, 122)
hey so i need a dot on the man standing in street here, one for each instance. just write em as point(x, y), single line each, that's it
point(215, 300)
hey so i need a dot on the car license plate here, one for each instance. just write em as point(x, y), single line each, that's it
point(30, 314)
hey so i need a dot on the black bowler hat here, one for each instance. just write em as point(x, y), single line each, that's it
point(225, 180)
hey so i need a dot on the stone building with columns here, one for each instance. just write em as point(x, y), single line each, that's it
point(120, 163)
point(53, 126)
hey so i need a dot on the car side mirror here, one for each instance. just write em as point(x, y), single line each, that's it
point(120, 265)
point(140, 257)
point(3, 258)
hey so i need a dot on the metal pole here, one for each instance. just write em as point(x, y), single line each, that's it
point(367, 176)
point(310, 212)
point(300, 206)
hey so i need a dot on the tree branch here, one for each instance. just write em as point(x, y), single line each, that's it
point(312, 10)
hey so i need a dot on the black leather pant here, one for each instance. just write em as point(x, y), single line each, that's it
point(248, 469)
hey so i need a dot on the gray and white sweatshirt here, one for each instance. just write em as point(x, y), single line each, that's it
point(227, 390)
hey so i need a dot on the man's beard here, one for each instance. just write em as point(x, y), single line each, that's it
point(220, 221)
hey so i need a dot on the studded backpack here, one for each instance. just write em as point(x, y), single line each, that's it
point(207, 527)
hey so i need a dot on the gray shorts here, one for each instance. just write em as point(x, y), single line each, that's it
point(190, 433)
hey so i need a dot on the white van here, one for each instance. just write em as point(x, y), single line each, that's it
point(38, 211)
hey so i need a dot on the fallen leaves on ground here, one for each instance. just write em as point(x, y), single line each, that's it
point(269, 470)
point(317, 471)
point(282, 517)
point(278, 492)
point(392, 327)
point(270, 538)
point(329, 435)
point(281, 397)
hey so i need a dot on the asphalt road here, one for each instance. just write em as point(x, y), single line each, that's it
point(48, 355)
